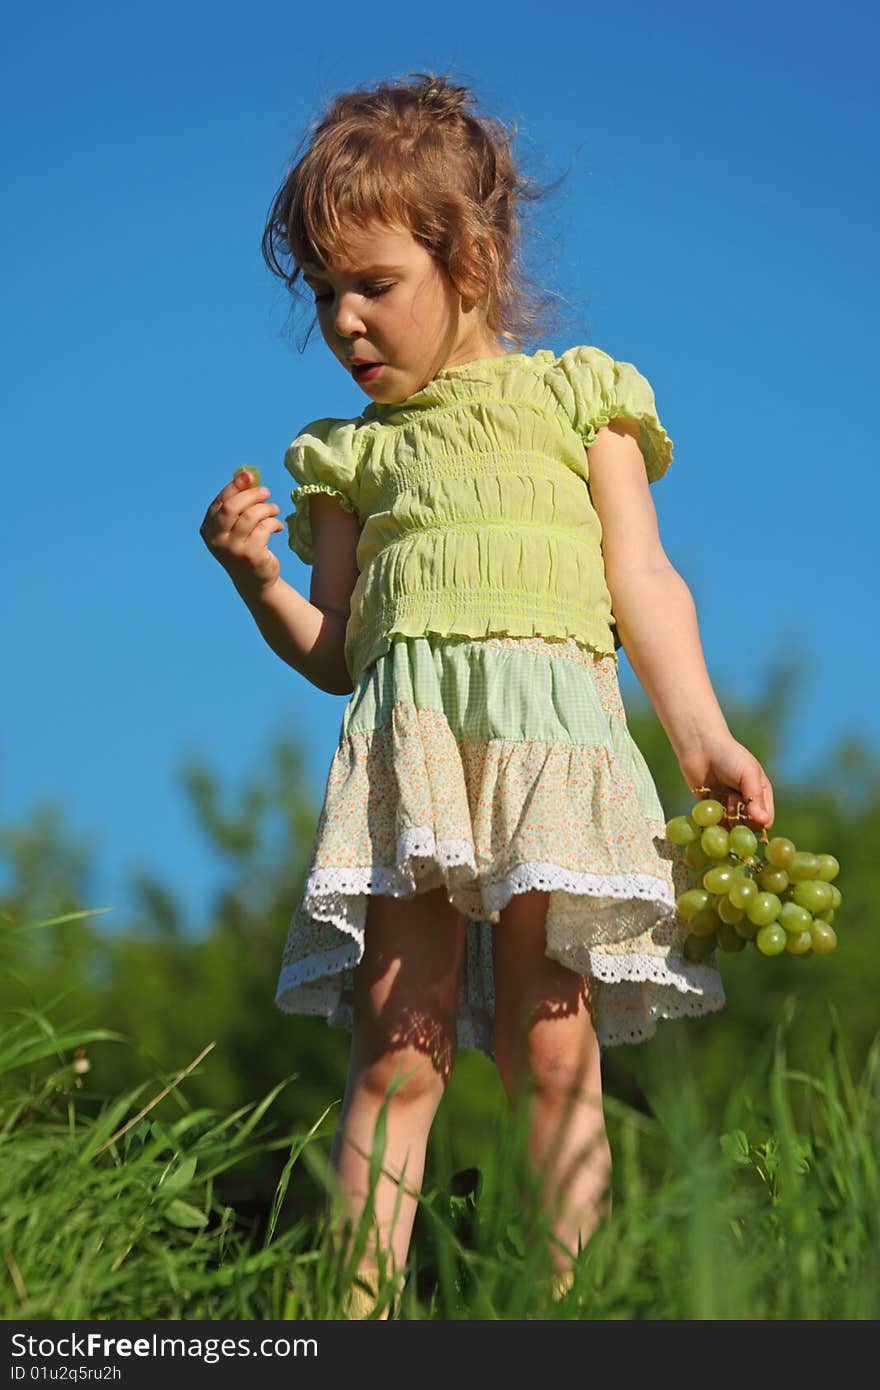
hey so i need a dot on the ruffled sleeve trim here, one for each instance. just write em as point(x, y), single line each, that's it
point(322, 458)
point(593, 389)
point(299, 525)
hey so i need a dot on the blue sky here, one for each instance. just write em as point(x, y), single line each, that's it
point(717, 226)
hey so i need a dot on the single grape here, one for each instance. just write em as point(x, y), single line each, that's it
point(794, 919)
point(823, 937)
point(727, 912)
point(696, 857)
point(799, 943)
point(813, 894)
point(248, 468)
point(703, 923)
point(803, 866)
point(681, 830)
point(729, 938)
point(707, 812)
point(764, 909)
point(718, 879)
point(743, 891)
point(715, 841)
point(836, 896)
point(697, 948)
point(780, 851)
point(774, 880)
point(692, 901)
point(828, 867)
point(746, 929)
point(743, 841)
point(826, 916)
point(771, 939)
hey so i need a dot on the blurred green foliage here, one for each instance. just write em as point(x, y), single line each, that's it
point(172, 986)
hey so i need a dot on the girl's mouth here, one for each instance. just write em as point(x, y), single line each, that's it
point(367, 372)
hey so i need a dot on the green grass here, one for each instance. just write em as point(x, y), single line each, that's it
point(110, 1207)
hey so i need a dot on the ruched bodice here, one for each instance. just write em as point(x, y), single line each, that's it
point(473, 499)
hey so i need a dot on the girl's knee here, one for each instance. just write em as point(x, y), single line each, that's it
point(560, 1058)
point(407, 1077)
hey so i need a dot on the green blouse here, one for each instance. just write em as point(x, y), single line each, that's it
point(473, 499)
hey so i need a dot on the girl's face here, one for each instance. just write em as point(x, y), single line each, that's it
point(393, 308)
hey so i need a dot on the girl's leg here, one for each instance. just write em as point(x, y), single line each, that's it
point(545, 1040)
point(405, 994)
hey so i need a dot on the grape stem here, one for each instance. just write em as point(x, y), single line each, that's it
point(739, 814)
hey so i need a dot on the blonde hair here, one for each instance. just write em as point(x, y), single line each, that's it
point(418, 155)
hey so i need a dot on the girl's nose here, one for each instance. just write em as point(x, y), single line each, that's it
point(346, 319)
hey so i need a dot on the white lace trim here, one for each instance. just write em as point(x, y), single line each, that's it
point(324, 887)
point(550, 876)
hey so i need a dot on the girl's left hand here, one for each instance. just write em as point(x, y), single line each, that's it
point(732, 776)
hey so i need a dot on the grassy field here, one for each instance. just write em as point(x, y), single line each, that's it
point(110, 1206)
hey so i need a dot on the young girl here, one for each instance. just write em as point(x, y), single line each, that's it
point(490, 867)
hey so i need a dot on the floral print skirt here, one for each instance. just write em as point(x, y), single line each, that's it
point(492, 767)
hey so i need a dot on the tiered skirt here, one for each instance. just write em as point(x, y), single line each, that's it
point(493, 767)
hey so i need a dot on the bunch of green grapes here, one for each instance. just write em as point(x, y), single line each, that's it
point(783, 901)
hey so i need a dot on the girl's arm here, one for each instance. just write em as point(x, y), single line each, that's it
point(309, 636)
point(657, 623)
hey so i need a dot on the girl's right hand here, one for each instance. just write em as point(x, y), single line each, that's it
point(236, 529)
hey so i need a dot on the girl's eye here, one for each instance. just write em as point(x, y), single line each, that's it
point(371, 292)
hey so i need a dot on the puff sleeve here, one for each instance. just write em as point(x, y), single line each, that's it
point(592, 389)
point(322, 458)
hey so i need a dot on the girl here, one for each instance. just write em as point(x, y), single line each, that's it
point(490, 867)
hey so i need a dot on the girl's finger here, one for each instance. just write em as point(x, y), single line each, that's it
point(251, 517)
point(249, 505)
point(240, 489)
point(757, 796)
point(230, 491)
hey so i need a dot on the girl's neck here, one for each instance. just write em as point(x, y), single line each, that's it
point(479, 351)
